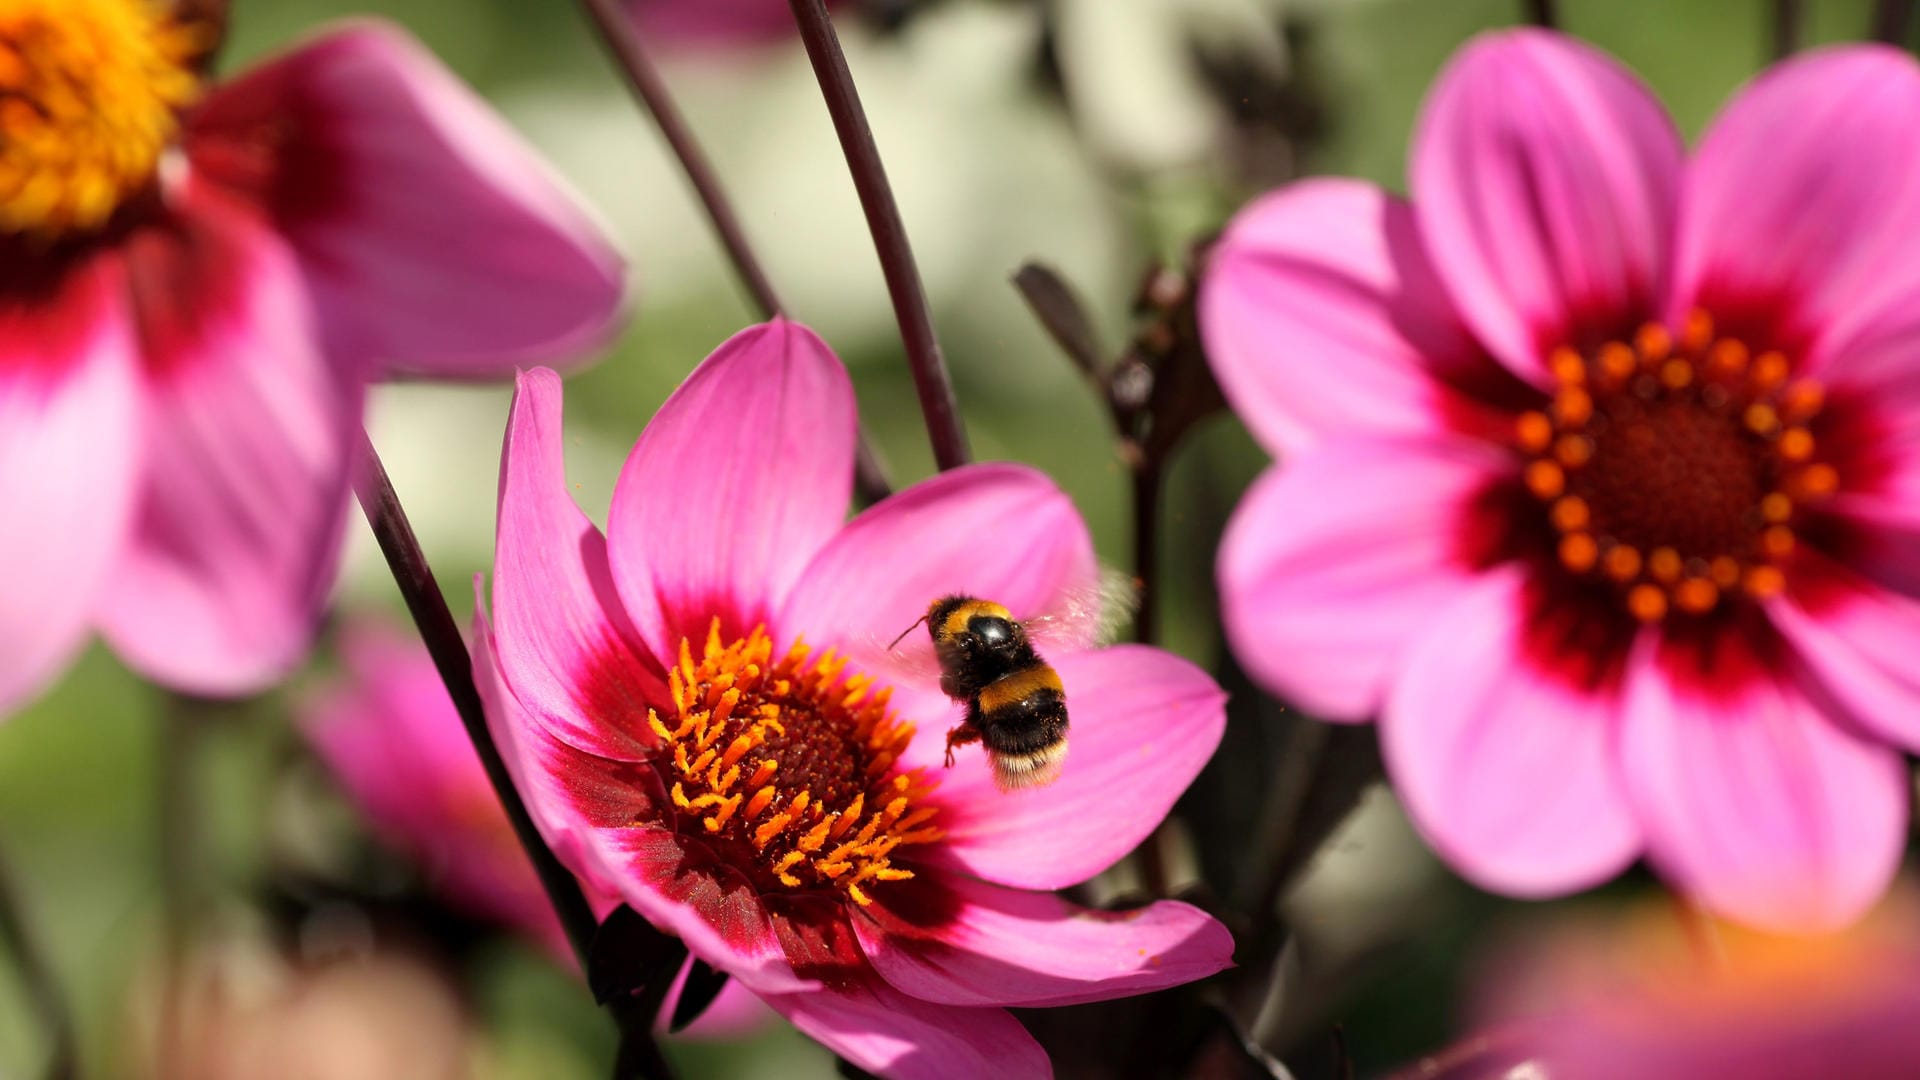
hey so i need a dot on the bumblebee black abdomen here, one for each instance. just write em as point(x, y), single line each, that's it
point(1022, 719)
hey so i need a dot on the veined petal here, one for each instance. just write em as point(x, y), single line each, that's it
point(1800, 197)
point(739, 479)
point(1143, 723)
point(1323, 316)
point(566, 646)
point(1754, 802)
point(1011, 947)
point(892, 1034)
point(1337, 560)
point(1544, 180)
point(603, 820)
point(1860, 641)
point(251, 440)
point(435, 238)
point(71, 424)
point(1508, 769)
point(878, 574)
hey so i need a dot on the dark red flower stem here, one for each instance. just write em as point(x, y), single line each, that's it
point(428, 606)
point(930, 378)
point(1789, 25)
point(1892, 19)
point(1542, 13)
point(622, 40)
point(617, 32)
point(36, 976)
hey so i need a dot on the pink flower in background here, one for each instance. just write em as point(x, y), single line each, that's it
point(391, 736)
point(1599, 473)
point(196, 285)
point(1644, 999)
point(697, 708)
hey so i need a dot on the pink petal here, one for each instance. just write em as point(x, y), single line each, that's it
point(1507, 769)
point(736, 1013)
point(1544, 178)
point(1755, 803)
point(566, 647)
point(252, 434)
point(891, 1034)
point(536, 760)
point(390, 735)
point(1336, 561)
point(598, 817)
point(1800, 198)
point(434, 236)
point(1143, 723)
point(1322, 316)
point(1009, 947)
point(739, 479)
point(70, 436)
point(879, 573)
point(1860, 641)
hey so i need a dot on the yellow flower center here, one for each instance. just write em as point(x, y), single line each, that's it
point(89, 96)
point(1676, 469)
point(786, 766)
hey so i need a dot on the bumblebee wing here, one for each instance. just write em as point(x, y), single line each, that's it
point(910, 660)
point(1088, 615)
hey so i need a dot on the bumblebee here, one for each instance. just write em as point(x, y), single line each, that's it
point(1016, 707)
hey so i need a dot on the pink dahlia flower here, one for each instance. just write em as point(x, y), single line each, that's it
point(1600, 472)
point(698, 709)
point(391, 736)
point(1650, 1002)
point(196, 285)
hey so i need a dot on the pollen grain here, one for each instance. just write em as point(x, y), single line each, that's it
point(786, 766)
point(90, 92)
point(1675, 465)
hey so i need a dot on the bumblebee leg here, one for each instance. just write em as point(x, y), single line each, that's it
point(960, 736)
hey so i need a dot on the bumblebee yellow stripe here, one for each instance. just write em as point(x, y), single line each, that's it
point(1018, 685)
point(955, 623)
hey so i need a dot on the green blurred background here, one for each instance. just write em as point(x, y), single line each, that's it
point(1112, 151)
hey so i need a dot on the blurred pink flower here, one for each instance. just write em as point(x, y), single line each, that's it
point(767, 800)
point(1645, 1000)
point(1600, 472)
point(197, 284)
point(390, 734)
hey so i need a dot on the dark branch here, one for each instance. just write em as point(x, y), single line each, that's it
point(650, 90)
point(1543, 13)
point(1892, 20)
point(930, 376)
point(449, 650)
point(36, 975)
point(1789, 23)
point(623, 41)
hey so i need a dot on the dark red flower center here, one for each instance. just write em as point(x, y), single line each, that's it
point(785, 767)
point(1676, 469)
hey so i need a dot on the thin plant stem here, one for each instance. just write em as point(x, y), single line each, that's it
point(1543, 13)
point(621, 38)
point(36, 975)
point(639, 1054)
point(618, 33)
point(449, 650)
point(1789, 24)
point(930, 377)
point(182, 727)
point(1891, 20)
